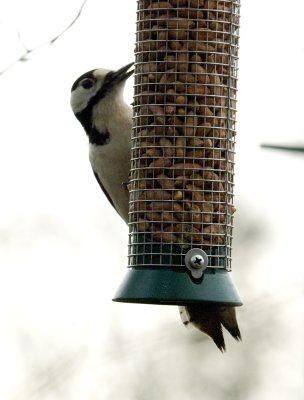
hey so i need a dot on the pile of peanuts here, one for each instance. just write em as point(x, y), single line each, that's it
point(184, 113)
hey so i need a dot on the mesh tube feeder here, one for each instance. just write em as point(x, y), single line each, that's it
point(182, 161)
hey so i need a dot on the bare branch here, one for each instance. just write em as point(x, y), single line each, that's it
point(69, 26)
point(26, 55)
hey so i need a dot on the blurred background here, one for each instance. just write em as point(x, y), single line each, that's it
point(63, 251)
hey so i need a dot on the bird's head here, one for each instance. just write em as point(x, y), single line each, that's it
point(94, 86)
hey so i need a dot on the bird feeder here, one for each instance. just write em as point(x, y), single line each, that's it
point(183, 146)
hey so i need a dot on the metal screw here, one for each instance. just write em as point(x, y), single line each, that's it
point(197, 261)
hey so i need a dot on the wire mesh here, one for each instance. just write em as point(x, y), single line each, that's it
point(183, 140)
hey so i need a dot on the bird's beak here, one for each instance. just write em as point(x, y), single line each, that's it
point(122, 74)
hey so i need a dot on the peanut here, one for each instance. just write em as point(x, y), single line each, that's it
point(142, 225)
point(153, 216)
point(156, 194)
point(159, 164)
point(200, 73)
point(178, 195)
point(160, 206)
point(196, 154)
point(165, 182)
point(191, 121)
point(189, 13)
point(152, 152)
point(180, 100)
point(196, 3)
point(160, 5)
point(165, 237)
point(178, 3)
point(178, 34)
point(180, 181)
point(168, 149)
point(186, 168)
point(167, 216)
point(187, 232)
point(180, 23)
point(182, 60)
point(197, 90)
point(180, 147)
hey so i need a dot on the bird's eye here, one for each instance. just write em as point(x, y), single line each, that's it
point(87, 83)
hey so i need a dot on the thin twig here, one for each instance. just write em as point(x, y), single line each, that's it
point(70, 25)
point(25, 56)
point(283, 147)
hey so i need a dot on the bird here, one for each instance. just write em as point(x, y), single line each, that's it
point(98, 104)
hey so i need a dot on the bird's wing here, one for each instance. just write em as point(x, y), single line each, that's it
point(104, 190)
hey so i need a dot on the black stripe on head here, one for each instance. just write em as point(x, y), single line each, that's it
point(107, 85)
point(89, 74)
point(85, 118)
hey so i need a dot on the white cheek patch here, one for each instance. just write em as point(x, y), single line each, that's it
point(80, 97)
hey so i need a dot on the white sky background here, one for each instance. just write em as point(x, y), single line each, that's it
point(62, 248)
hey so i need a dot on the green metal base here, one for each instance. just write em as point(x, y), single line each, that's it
point(163, 285)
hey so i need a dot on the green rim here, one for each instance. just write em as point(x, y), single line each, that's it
point(163, 285)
